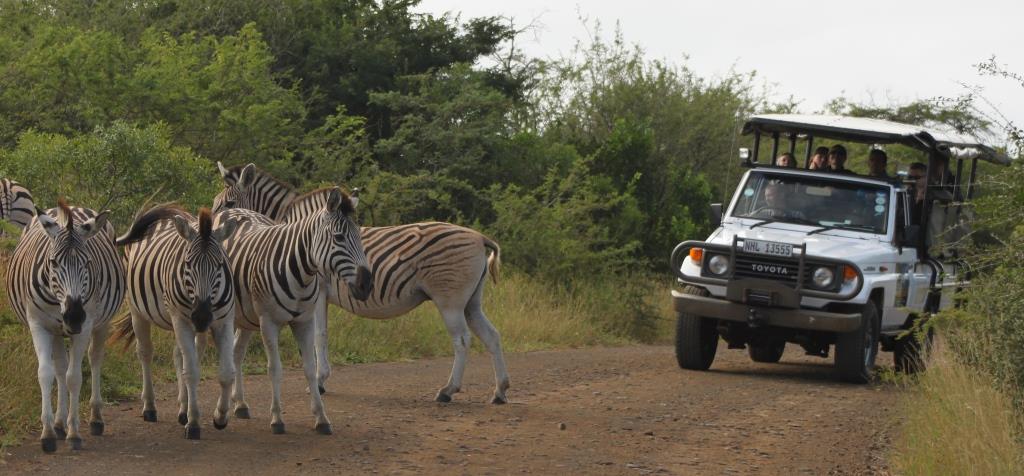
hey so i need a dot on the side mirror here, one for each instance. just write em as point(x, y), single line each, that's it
point(745, 156)
point(716, 214)
point(911, 236)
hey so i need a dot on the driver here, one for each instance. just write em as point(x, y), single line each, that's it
point(775, 204)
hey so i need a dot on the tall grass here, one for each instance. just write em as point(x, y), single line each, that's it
point(958, 422)
point(529, 314)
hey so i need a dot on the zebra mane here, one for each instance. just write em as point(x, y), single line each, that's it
point(347, 206)
point(65, 211)
point(140, 228)
point(236, 172)
point(205, 223)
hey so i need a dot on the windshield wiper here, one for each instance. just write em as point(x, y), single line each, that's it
point(798, 221)
point(844, 227)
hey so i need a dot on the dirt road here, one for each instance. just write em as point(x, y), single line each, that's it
point(625, 410)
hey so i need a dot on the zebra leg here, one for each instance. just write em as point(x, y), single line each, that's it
point(144, 347)
point(96, 351)
point(323, 358)
point(43, 341)
point(270, 332)
point(455, 321)
point(186, 338)
point(303, 332)
point(242, 338)
point(60, 362)
point(79, 344)
point(179, 371)
point(224, 339)
point(486, 332)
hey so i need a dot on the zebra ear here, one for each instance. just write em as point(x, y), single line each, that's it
point(225, 230)
point(354, 197)
point(224, 173)
point(334, 200)
point(50, 225)
point(94, 225)
point(184, 229)
point(247, 176)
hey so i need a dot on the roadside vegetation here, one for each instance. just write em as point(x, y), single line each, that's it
point(965, 415)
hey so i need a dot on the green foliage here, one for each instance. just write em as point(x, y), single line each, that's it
point(119, 167)
point(572, 226)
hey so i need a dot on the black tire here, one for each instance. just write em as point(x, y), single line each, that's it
point(856, 351)
point(769, 353)
point(909, 353)
point(696, 337)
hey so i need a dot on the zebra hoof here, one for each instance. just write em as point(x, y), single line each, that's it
point(324, 428)
point(277, 428)
point(61, 434)
point(149, 415)
point(443, 397)
point(499, 400)
point(220, 426)
point(49, 445)
point(182, 419)
point(96, 428)
point(75, 443)
point(191, 432)
point(242, 413)
point(321, 389)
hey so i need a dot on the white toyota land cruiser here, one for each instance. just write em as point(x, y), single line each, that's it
point(825, 259)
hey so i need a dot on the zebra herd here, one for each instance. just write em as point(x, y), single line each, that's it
point(264, 258)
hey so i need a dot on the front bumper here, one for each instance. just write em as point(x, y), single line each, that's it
point(810, 319)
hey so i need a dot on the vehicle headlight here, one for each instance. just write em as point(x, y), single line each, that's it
point(718, 264)
point(822, 277)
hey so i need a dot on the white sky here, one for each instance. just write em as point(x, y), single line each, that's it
point(869, 51)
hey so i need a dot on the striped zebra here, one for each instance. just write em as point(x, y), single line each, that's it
point(16, 205)
point(276, 271)
point(434, 261)
point(179, 280)
point(66, 280)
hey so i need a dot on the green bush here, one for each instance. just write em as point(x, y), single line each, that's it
point(119, 167)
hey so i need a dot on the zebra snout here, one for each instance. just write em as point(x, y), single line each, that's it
point(74, 316)
point(364, 283)
point(202, 315)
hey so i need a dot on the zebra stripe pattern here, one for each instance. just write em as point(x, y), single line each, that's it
point(179, 280)
point(16, 205)
point(410, 264)
point(66, 280)
point(276, 270)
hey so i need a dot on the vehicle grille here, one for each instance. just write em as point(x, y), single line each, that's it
point(782, 270)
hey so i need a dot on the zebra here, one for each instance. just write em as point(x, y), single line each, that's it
point(435, 261)
point(16, 204)
point(66, 280)
point(179, 280)
point(276, 270)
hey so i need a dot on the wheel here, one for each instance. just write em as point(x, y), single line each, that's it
point(770, 352)
point(696, 337)
point(856, 351)
point(909, 352)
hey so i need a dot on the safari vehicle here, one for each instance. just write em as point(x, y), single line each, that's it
point(824, 259)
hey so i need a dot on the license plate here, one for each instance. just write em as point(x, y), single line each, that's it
point(768, 248)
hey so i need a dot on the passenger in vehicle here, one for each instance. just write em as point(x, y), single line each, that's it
point(837, 160)
point(786, 160)
point(775, 204)
point(916, 173)
point(877, 161)
point(819, 161)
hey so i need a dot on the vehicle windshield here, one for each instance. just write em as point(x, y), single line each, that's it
point(815, 201)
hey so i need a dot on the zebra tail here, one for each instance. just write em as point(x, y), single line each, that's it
point(123, 331)
point(494, 260)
